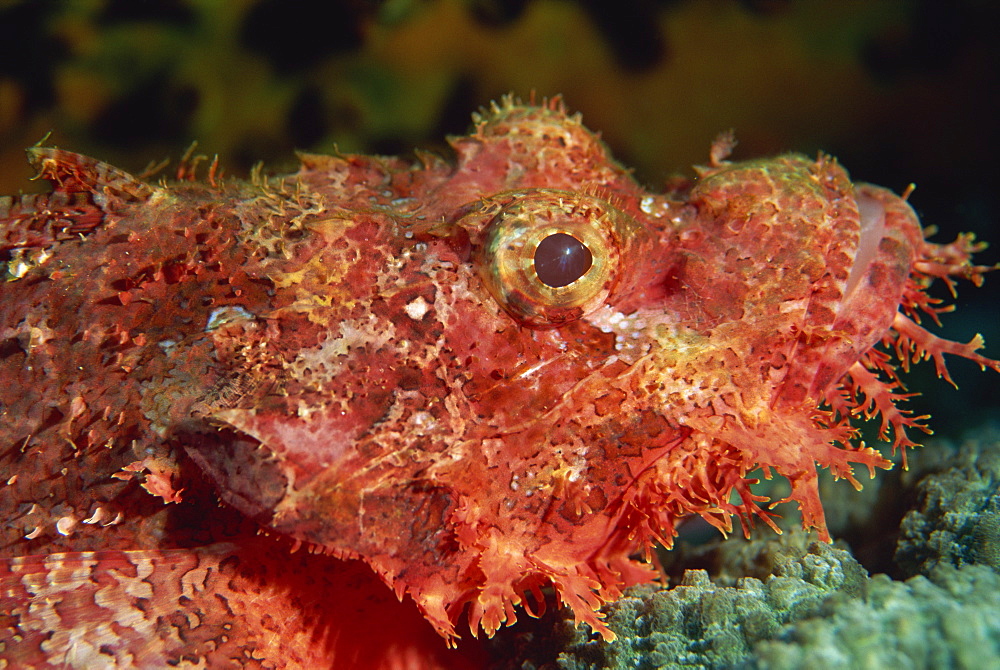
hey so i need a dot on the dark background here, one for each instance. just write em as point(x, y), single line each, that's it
point(900, 91)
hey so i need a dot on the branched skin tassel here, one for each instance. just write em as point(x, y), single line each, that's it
point(479, 379)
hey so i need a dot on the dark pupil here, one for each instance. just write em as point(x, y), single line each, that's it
point(561, 259)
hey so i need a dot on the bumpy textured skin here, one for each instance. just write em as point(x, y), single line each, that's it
point(330, 352)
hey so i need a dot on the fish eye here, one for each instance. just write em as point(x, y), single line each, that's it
point(561, 259)
point(549, 257)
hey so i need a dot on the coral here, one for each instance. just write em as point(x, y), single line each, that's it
point(818, 609)
point(956, 520)
point(699, 624)
point(947, 622)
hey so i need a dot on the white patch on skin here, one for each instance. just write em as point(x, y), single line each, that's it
point(656, 206)
point(534, 368)
point(326, 361)
point(96, 517)
point(578, 464)
point(23, 260)
point(65, 525)
point(223, 315)
point(417, 308)
point(422, 423)
point(606, 319)
point(628, 329)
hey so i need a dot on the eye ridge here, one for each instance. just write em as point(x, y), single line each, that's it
point(561, 259)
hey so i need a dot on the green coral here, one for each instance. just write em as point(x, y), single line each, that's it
point(701, 625)
point(957, 517)
point(819, 610)
point(949, 622)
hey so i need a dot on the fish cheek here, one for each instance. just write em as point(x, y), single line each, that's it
point(415, 515)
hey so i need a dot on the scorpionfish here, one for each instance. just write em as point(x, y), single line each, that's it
point(511, 371)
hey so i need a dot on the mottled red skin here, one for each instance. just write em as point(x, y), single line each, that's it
point(333, 352)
